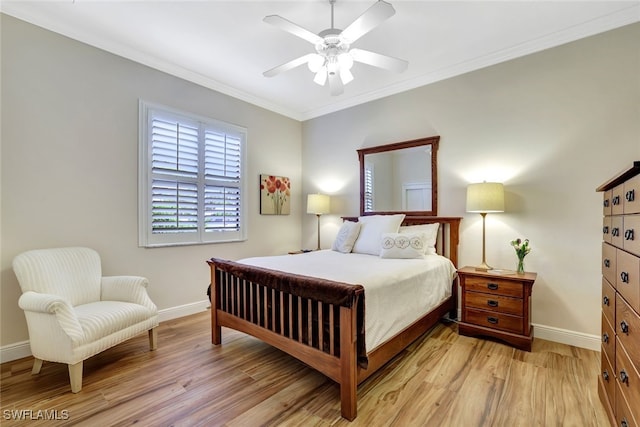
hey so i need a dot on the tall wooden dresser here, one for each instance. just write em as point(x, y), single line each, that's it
point(619, 380)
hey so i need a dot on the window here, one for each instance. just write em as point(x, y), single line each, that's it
point(368, 187)
point(191, 181)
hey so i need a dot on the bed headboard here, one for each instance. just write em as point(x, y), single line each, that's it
point(448, 233)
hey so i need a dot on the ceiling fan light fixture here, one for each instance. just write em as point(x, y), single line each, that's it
point(345, 60)
point(321, 76)
point(315, 63)
point(345, 75)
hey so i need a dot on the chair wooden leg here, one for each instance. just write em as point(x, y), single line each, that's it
point(37, 365)
point(153, 339)
point(75, 375)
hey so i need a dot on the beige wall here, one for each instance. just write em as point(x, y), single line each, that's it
point(70, 165)
point(552, 126)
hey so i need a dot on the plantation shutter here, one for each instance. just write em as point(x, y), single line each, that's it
point(174, 160)
point(190, 179)
point(368, 188)
point(222, 181)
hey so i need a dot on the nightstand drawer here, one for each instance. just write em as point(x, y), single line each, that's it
point(495, 286)
point(489, 319)
point(497, 303)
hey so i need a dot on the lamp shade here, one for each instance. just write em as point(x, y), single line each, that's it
point(318, 204)
point(485, 197)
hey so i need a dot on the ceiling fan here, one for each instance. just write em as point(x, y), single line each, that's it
point(334, 57)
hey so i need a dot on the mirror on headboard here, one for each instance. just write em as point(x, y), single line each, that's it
point(400, 178)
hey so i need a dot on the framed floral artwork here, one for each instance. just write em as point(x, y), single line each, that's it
point(275, 195)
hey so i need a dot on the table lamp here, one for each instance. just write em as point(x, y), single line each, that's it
point(483, 198)
point(318, 204)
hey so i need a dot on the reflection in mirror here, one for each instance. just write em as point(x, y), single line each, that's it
point(400, 177)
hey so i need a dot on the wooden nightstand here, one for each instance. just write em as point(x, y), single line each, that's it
point(497, 305)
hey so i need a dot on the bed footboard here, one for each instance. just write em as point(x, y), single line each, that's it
point(300, 322)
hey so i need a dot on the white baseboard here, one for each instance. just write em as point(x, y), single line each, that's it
point(564, 336)
point(183, 310)
point(22, 349)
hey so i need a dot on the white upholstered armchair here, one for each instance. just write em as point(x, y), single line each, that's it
point(73, 312)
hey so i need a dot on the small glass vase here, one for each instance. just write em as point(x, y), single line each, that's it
point(520, 269)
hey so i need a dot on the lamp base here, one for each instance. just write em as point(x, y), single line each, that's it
point(483, 267)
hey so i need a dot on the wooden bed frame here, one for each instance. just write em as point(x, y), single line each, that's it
point(321, 334)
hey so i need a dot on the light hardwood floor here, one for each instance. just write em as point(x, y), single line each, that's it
point(442, 379)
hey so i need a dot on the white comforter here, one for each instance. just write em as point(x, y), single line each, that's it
point(397, 291)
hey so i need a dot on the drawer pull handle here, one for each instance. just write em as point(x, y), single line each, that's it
point(492, 320)
point(605, 375)
point(624, 276)
point(616, 200)
point(624, 327)
point(492, 286)
point(628, 234)
point(492, 303)
point(605, 338)
point(630, 195)
point(624, 423)
point(606, 203)
point(624, 377)
point(607, 262)
point(615, 231)
point(605, 230)
point(605, 300)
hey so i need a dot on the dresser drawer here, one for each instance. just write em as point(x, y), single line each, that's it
point(617, 200)
point(608, 375)
point(609, 263)
point(631, 234)
point(606, 202)
point(608, 339)
point(628, 330)
point(628, 278)
point(617, 231)
point(632, 195)
point(606, 229)
point(608, 301)
point(495, 286)
point(497, 303)
point(490, 319)
point(623, 413)
point(628, 380)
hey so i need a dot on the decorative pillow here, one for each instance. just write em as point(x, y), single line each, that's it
point(402, 245)
point(430, 231)
point(372, 227)
point(346, 237)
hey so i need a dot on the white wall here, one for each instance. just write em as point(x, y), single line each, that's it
point(70, 166)
point(551, 126)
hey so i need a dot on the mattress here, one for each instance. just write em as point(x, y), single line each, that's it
point(397, 291)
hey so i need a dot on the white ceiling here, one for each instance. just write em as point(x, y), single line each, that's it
point(224, 45)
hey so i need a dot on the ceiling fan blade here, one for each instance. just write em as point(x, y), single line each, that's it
point(366, 22)
point(288, 65)
point(292, 28)
point(377, 60)
point(335, 84)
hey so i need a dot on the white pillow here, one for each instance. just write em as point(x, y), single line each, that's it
point(430, 231)
point(346, 237)
point(402, 245)
point(372, 227)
